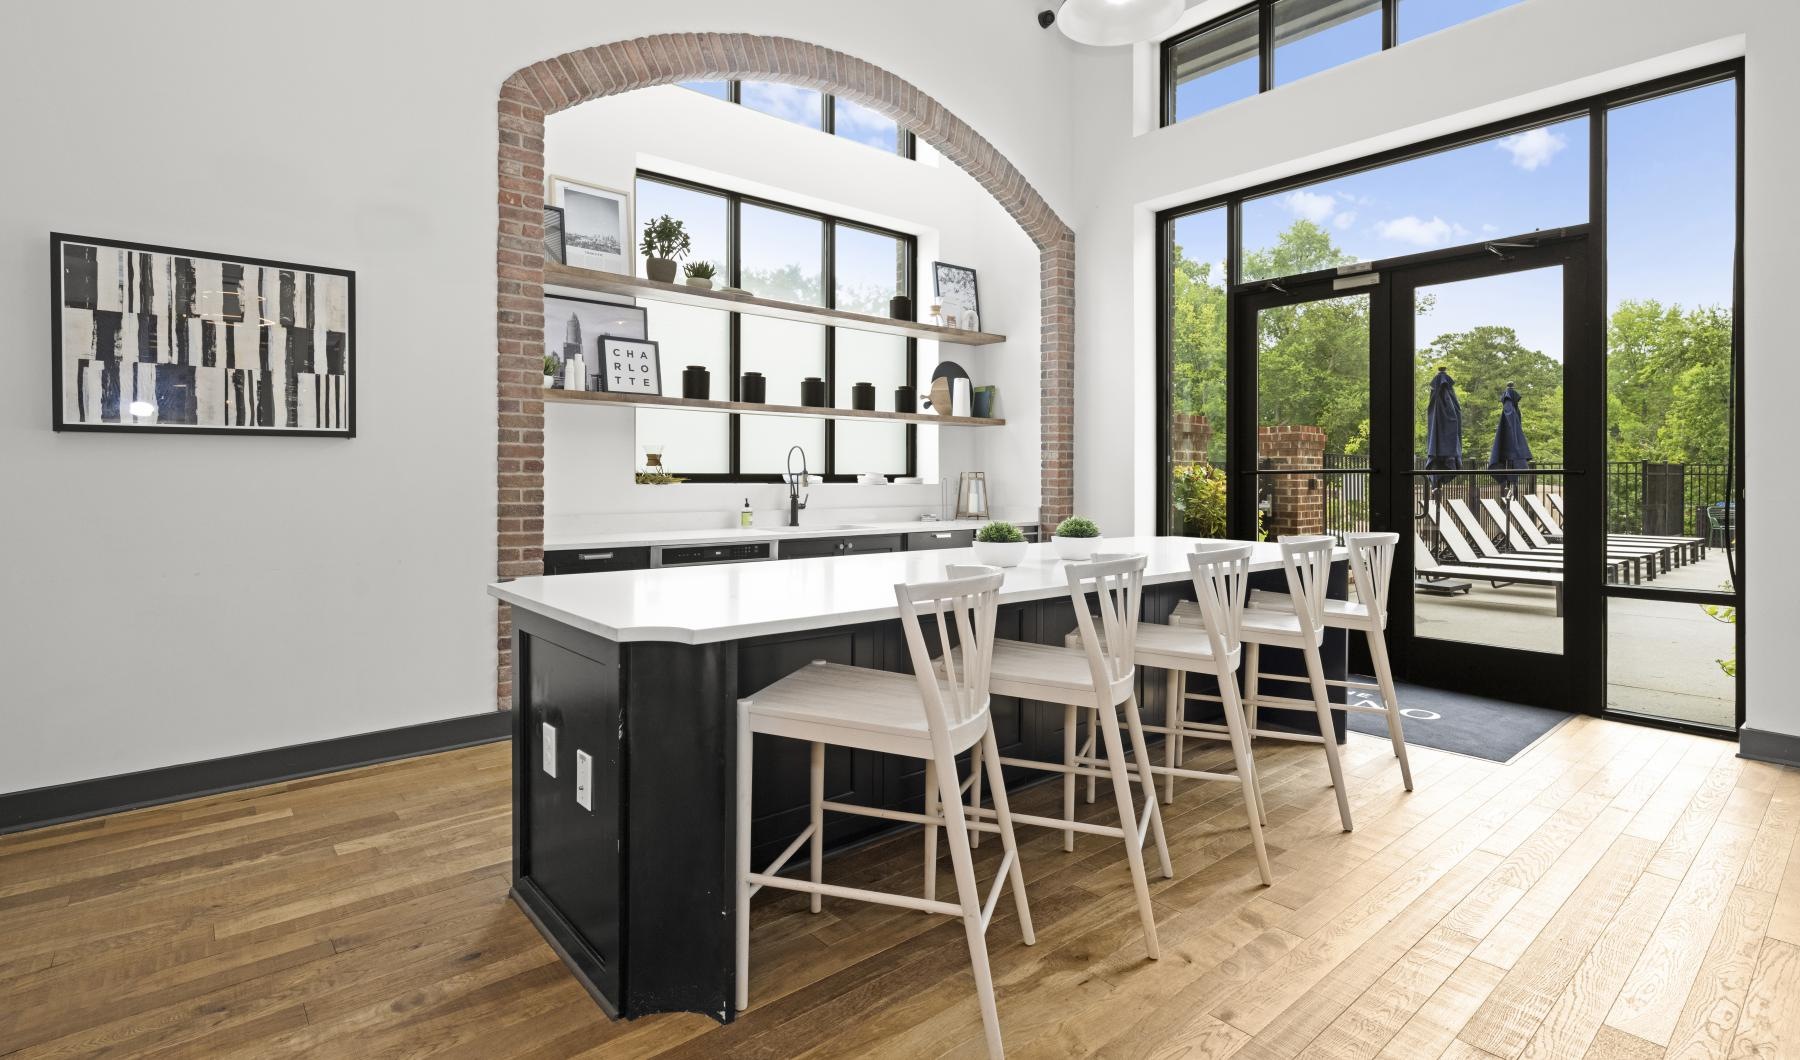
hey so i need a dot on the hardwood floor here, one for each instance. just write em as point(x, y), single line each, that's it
point(1616, 892)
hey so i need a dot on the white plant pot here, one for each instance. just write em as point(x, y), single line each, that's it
point(1075, 547)
point(700, 281)
point(549, 381)
point(1000, 553)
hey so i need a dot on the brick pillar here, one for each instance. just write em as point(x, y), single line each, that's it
point(1190, 437)
point(1299, 500)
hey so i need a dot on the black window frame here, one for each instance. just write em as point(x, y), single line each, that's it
point(734, 203)
point(908, 147)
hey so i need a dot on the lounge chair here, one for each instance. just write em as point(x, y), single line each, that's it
point(1693, 547)
point(1634, 563)
point(1523, 534)
point(1426, 567)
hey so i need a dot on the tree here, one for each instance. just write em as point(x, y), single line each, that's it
point(1483, 360)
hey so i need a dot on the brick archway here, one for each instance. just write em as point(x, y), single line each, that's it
point(579, 76)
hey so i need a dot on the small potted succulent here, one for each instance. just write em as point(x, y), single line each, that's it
point(699, 274)
point(665, 242)
point(999, 544)
point(551, 366)
point(1076, 538)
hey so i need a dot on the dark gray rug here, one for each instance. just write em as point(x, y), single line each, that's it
point(1465, 725)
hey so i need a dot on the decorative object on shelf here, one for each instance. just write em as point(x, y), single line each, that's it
point(906, 399)
point(665, 243)
point(954, 286)
point(699, 274)
point(900, 307)
point(862, 396)
point(937, 314)
point(575, 375)
point(1104, 23)
point(1076, 538)
point(629, 366)
point(654, 474)
point(872, 478)
point(969, 321)
point(696, 382)
point(939, 399)
point(571, 326)
point(942, 399)
point(981, 404)
point(148, 338)
point(812, 392)
point(999, 544)
point(551, 365)
point(753, 388)
point(972, 496)
point(959, 397)
point(553, 235)
point(596, 229)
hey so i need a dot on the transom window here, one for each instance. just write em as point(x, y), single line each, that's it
point(815, 110)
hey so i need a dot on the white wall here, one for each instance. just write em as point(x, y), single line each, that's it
point(173, 599)
point(1514, 61)
point(591, 452)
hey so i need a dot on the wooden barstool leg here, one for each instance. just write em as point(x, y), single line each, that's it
point(1088, 751)
point(1246, 768)
point(931, 830)
point(1069, 778)
point(974, 792)
point(1384, 676)
point(817, 784)
point(956, 828)
point(1135, 726)
point(1315, 673)
point(742, 926)
point(1252, 677)
point(1003, 816)
point(1172, 715)
point(1108, 723)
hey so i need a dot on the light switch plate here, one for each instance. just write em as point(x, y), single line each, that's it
point(549, 748)
point(584, 780)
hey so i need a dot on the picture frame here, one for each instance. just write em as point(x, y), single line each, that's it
point(157, 339)
point(597, 226)
point(553, 235)
point(630, 366)
point(576, 324)
point(953, 288)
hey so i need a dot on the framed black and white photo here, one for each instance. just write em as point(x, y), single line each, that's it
point(630, 366)
point(954, 288)
point(574, 326)
point(150, 338)
point(553, 235)
point(596, 225)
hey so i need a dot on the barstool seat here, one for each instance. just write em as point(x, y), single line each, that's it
point(811, 702)
point(1343, 611)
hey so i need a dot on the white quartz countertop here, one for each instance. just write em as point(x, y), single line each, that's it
point(711, 603)
point(556, 542)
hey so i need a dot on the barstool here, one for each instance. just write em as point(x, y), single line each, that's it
point(935, 713)
point(1307, 563)
point(1098, 675)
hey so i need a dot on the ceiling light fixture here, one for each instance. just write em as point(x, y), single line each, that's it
point(1109, 22)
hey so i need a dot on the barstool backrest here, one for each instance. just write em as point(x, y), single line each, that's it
point(967, 601)
point(1307, 560)
point(1117, 582)
point(1372, 562)
point(1221, 573)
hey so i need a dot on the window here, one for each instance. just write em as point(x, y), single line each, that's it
point(1196, 338)
point(815, 110)
point(1268, 43)
point(777, 251)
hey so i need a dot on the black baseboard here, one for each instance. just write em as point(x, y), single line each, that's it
point(1765, 746)
point(20, 810)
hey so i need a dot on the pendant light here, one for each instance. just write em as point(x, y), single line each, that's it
point(1109, 22)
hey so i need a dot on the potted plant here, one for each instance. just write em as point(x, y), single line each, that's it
point(551, 365)
point(699, 274)
point(999, 544)
point(665, 242)
point(1076, 538)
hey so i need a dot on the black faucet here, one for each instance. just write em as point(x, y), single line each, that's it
point(795, 503)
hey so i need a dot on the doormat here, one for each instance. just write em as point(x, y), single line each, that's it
point(1462, 724)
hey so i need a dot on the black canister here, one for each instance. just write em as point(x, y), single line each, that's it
point(753, 388)
point(906, 399)
point(812, 392)
point(696, 382)
point(862, 396)
point(900, 307)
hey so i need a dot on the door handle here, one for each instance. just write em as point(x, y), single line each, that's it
point(588, 557)
point(943, 536)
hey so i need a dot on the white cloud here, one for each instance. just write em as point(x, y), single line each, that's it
point(1534, 149)
point(1314, 207)
point(1489, 229)
point(1345, 219)
point(1436, 232)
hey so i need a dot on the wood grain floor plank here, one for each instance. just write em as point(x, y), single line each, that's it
point(1770, 1026)
point(1708, 1021)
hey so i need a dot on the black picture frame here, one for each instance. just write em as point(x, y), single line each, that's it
point(942, 271)
point(655, 372)
point(589, 344)
point(553, 235)
point(59, 242)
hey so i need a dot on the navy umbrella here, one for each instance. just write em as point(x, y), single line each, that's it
point(1443, 427)
point(1510, 450)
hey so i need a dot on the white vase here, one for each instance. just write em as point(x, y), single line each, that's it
point(1075, 547)
point(549, 381)
point(700, 281)
point(1000, 553)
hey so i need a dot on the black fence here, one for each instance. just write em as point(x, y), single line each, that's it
point(1656, 498)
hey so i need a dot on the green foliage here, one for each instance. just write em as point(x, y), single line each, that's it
point(1668, 383)
point(1199, 497)
point(1727, 615)
point(999, 532)
point(1076, 526)
point(551, 364)
point(1483, 360)
point(665, 237)
point(700, 270)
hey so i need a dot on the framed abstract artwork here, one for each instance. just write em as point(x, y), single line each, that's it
point(630, 366)
point(954, 286)
point(573, 326)
point(149, 338)
point(596, 225)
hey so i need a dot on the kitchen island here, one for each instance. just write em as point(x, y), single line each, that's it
point(625, 685)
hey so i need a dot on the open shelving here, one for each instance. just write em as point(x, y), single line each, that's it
point(603, 398)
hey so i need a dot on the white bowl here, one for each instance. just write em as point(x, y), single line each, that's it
point(1000, 553)
point(1075, 547)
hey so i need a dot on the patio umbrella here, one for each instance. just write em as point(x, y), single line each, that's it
point(1510, 450)
point(1443, 427)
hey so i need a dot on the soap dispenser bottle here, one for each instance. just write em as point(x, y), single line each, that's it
point(746, 517)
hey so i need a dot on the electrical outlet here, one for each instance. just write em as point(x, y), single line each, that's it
point(584, 781)
point(550, 749)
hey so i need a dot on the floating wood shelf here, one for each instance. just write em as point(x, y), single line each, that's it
point(636, 287)
point(592, 397)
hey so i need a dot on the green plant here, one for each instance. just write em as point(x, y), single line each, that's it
point(700, 270)
point(1728, 615)
point(1198, 495)
point(658, 478)
point(1076, 526)
point(999, 532)
point(551, 364)
point(665, 237)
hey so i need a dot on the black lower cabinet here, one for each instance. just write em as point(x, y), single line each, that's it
point(857, 545)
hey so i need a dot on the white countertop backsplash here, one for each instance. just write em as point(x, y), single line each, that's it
point(614, 530)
